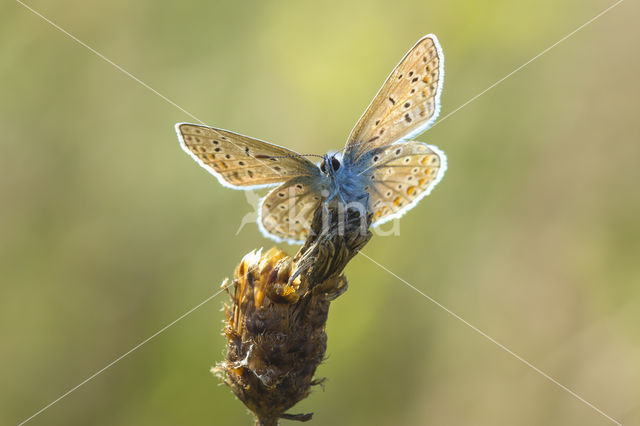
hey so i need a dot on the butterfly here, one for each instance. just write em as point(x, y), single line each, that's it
point(379, 168)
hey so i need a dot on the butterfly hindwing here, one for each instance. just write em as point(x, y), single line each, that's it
point(401, 175)
point(407, 103)
point(239, 161)
point(287, 211)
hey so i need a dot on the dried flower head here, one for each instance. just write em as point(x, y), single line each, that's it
point(276, 318)
point(276, 334)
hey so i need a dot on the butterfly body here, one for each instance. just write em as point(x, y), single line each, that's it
point(380, 171)
point(344, 180)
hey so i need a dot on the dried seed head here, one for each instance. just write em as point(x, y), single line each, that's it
point(275, 332)
point(276, 318)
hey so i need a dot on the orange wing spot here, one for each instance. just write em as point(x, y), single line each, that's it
point(422, 181)
point(378, 214)
point(427, 79)
point(212, 156)
point(397, 202)
point(411, 190)
point(223, 165)
point(424, 160)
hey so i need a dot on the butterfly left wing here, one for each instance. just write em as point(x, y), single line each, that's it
point(241, 162)
point(407, 103)
point(286, 213)
point(401, 175)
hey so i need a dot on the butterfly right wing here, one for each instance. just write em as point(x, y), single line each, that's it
point(241, 162)
point(286, 213)
point(408, 102)
point(400, 175)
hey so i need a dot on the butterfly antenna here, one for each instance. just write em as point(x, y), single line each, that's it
point(261, 156)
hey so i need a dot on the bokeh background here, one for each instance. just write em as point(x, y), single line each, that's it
point(108, 231)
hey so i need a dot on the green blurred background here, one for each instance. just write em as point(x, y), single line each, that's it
point(108, 231)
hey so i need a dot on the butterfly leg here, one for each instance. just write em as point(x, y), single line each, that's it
point(366, 202)
point(328, 200)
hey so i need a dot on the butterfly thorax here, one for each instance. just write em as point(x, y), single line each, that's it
point(346, 184)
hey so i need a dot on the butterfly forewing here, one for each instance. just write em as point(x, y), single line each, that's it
point(407, 103)
point(240, 161)
point(400, 175)
point(286, 212)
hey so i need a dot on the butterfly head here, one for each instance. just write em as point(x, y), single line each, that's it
point(331, 163)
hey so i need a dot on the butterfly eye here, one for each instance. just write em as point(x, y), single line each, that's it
point(335, 163)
